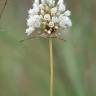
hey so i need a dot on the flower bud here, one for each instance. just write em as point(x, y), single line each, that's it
point(47, 17)
point(53, 11)
point(51, 24)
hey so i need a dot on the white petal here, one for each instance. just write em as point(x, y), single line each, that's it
point(42, 12)
point(65, 22)
point(37, 24)
point(41, 6)
point(53, 2)
point(29, 22)
point(43, 1)
point(54, 10)
point(29, 30)
point(50, 2)
point(37, 21)
point(34, 21)
point(68, 22)
point(36, 2)
point(35, 6)
point(67, 13)
point(61, 17)
point(60, 1)
point(62, 7)
point(33, 11)
point(55, 19)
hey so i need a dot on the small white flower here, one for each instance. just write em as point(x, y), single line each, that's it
point(29, 30)
point(48, 1)
point(41, 6)
point(47, 17)
point(51, 24)
point(53, 11)
point(35, 6)
point(62, 7)
point(60, 1)
point(36, 2)
point(37, 21)
point(34, 21)
point(42, 12)
point(61, 17)
point(55, 19)
point(67, 13)
point(30, 21)
point(68, 22)
point(58, 13)
point(37, 24)
point(51, 2)
point(32, 12)
point(46, 8)
point(65, 22)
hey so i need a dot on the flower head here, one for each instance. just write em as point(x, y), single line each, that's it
point(48, 17)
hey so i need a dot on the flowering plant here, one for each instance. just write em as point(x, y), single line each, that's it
point(48, 19)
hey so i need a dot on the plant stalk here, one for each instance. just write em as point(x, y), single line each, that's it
point(51, 67)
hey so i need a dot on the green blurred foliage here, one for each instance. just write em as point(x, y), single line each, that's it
point(24, 67)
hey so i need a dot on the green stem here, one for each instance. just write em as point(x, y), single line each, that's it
point(51, 67)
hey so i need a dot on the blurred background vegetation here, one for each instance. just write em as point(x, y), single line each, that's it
point(24, 67)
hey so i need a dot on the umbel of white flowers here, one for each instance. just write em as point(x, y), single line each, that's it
point(48, 17)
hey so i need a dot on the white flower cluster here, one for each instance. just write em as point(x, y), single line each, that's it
point(48, 17)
